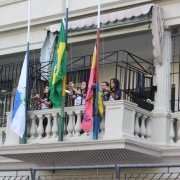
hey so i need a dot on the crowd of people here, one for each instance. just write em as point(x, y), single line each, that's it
point(110, 92)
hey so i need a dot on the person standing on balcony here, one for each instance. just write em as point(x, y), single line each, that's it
point(43, 103)
point(105, 91)
point(80, 96)
point(115, 92)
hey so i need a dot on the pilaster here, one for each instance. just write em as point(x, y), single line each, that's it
point(11, 137)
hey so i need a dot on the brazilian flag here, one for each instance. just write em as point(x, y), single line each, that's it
point(58, 75)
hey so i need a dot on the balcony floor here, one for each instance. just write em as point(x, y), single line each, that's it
point(93, 153)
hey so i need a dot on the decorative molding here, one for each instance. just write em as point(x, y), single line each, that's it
point(161, 114)
point(131, 145)
point(73, 14)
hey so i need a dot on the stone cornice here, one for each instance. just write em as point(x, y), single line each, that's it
point(7, 2)
point(73, 14)
point(82, 145)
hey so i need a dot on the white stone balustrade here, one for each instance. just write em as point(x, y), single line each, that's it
point(122, 119)
point(50, 132)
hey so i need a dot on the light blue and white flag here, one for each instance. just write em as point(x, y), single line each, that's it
point(19, 112)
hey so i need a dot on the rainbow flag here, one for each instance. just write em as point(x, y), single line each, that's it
point(89, 105)
point(58, 75)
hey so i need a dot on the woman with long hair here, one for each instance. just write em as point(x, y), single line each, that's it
point(43, 103)
point(79, 95)
point(115, 92)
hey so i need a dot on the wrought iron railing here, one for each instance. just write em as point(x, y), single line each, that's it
point(3, 121)
point(129, 69)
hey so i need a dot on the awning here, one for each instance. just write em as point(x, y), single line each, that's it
point(157, 24)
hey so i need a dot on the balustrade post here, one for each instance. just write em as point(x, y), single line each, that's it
point(137, 128)
point(172, 133)
point(70, 124)
point(28, 126)
point(143, 128)
point(65, 123)
point(40, 130)
point(55, 125)
point(1, 138)
point(102, 124)
point(49, 127)
point(33, 127)
point(77, 127)
point(148, 128)
point(11, 137)
point(178, 130)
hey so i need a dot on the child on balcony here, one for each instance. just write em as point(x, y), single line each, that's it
point(43, 103)
point(115, 92)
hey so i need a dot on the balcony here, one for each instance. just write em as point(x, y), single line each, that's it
point(125, 130)
point(128, 125)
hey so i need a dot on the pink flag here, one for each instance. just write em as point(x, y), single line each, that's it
point(88, 109)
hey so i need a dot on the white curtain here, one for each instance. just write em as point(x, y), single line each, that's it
point(46, 55)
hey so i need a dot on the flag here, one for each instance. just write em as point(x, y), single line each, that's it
point(58, 75)
point(100, 105)
point(89, 105)
point(18, 120)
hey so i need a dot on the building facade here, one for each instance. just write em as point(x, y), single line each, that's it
point(140, 42)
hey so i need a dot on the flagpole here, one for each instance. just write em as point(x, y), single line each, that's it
point(67, 10)
point(96, 117)
point(98, 40)
point(61, 120)
point(24, 139)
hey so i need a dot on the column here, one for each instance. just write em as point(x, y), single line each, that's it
point(161, 113)
point(163, 78)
